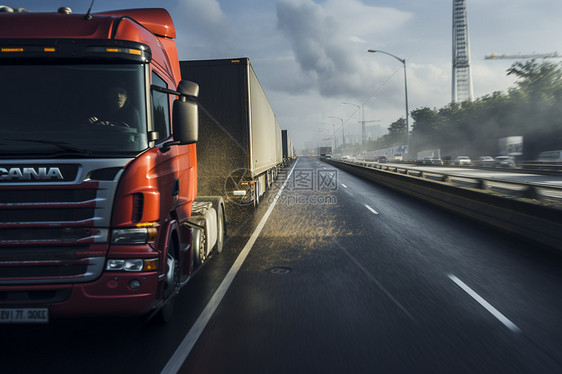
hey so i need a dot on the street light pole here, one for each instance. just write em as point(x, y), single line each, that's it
point(342, 134)
point(403, 61)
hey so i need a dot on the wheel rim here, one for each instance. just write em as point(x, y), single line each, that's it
point(170, 275)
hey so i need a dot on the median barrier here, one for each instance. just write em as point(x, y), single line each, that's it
point(523, 216)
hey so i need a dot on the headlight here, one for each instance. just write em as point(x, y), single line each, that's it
point(138, 235)
point(133, 264)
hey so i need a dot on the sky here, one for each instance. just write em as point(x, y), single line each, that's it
point(311, 55)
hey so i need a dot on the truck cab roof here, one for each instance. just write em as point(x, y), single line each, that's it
point(153, 27)
point(101, 25)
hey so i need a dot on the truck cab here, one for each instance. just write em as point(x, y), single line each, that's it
point(98, 171)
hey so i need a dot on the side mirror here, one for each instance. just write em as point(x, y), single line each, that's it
point(186, 122)
point(188, 88)
point(185, 114)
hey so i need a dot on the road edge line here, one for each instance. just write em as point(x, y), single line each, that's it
point(175, 363)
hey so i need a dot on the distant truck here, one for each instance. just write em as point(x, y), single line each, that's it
point(288, 148)
point(240, 146)
point(325, 152)
point(431, 153)
point(429, 157)
point(98, 167)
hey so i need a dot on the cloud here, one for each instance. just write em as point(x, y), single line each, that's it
point(205, 15)
point(203, 24)
point(329, 48)
point(356, 39)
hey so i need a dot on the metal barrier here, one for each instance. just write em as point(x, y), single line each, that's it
point(524, 210)
point(550, 195)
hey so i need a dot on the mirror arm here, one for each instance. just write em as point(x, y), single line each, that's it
point(165, 147)
point(164, 90)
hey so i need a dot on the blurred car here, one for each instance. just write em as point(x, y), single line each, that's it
point(486, 161)
point(426, 161)
point(382, 159)
point(463, 160)
point(550, 156)
point(436, 161)
point(505, 162)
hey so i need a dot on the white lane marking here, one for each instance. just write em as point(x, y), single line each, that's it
point(344, 186)
point(371, 209)
point(496, 313)
point(374, 280)
point(185, 347)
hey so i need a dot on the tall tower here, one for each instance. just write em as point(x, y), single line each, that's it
point(462, 77)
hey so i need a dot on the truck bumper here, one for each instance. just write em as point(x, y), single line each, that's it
point(111, 294)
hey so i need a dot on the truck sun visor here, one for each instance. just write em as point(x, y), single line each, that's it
point(119, 50)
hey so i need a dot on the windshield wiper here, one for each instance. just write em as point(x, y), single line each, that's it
point(62, 145)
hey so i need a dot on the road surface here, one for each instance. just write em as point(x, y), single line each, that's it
point(332, 274)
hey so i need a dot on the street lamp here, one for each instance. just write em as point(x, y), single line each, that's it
point(403, 61)
point(342, 134)
point(362, 120)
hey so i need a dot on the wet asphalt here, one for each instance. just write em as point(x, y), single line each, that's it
point(344, 277)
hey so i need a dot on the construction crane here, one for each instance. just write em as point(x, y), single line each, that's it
point(495, 56)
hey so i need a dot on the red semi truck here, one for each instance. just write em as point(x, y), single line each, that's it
point(98, 171)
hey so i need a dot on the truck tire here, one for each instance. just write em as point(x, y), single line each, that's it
point(200, 253)
point(220, 228)
point(256, 194)
point(171, 280)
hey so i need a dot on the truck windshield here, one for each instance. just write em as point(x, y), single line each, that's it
point(81, 110)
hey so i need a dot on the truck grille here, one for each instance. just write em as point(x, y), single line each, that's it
point(45, 215)
point(52, 271)
point(46, 232)
point(10, 236)
point(47, 265)
point(65, 206)
point(30, 196)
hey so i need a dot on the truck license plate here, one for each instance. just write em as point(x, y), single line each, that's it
point(24, 315)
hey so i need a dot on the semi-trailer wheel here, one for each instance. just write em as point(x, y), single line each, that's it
point(256, 194)
point(201, 250)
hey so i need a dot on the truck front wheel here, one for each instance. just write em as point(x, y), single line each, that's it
point(165, 313)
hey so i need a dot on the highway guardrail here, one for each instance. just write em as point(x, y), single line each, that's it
point(526, 210)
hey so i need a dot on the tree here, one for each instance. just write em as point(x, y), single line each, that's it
point(397, 132)
point(425, 120)
point(539, 81)
point(532, 109)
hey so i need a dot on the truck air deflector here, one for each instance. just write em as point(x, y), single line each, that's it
point(156, 20)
